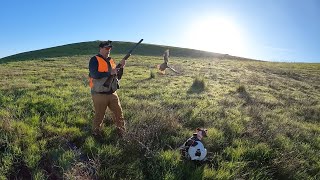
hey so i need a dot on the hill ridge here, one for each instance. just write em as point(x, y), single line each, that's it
point(120, 47)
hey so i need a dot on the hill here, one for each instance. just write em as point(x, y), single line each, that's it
point(89, 48)
point(262, 118)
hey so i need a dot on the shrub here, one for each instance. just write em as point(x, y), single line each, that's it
point(197, 86)
point(152, 75)
point(241, 89)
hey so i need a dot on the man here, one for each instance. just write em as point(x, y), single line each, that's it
point(103, 77)
point(193, 148)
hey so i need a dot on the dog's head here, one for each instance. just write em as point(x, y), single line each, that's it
point(203, 132)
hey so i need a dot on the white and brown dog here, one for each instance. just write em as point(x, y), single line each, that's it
point(193, 148)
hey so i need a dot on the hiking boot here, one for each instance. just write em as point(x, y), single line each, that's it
point(121, 132)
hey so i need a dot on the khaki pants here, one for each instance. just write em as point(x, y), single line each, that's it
point(100, 103)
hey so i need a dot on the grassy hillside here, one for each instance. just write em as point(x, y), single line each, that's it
point(89, 48)
point(262, 117)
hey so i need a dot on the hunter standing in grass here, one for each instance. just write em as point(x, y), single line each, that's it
point(104, 76)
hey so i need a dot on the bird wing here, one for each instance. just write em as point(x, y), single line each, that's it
point(166, 56)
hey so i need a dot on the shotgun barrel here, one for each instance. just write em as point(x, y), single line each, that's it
point(131, 50)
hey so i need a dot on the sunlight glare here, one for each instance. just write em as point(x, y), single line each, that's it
point(216, 34)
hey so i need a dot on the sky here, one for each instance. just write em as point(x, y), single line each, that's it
point(275, 30)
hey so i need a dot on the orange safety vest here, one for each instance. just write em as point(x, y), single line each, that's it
point(102, 67)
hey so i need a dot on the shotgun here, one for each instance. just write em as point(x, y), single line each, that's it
point(129, 53)
point(126, 57)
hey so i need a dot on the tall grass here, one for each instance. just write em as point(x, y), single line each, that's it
point(262, 120)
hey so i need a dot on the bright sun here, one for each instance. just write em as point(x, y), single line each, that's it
point(217, 34)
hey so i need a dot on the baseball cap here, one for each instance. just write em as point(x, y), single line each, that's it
point(105, 44)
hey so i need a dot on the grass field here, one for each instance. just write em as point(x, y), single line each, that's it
point(263, 119)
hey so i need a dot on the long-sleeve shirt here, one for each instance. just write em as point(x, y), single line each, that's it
point(93, 68)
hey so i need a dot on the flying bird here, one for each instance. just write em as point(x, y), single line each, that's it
point(162, 67)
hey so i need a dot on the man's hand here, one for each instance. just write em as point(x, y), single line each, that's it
point(114, 71)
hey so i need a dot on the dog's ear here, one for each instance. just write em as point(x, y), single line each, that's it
point(198, 129)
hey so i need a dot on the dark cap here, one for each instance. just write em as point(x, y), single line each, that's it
point(105, 44)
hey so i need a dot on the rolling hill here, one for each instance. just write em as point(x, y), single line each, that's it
point(89, 48)
point(262, 117)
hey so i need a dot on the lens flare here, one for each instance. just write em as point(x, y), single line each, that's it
point(216, 34)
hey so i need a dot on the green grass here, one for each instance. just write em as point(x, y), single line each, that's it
point(262, 117)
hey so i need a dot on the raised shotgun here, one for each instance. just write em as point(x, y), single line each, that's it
point(110, 79)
